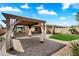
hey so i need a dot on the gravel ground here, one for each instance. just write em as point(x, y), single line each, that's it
point(66, 51)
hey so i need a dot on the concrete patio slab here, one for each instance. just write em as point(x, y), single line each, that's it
point(33, 47)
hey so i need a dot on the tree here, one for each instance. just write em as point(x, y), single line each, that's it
point(77, 17)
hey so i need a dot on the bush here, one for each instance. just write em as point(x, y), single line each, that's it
point(2, 39)
point(75, 48)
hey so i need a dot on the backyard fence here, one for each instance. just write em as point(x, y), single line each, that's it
point(2, 31)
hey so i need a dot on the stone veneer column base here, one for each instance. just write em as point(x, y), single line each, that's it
point(29, 35)
point(41, 41)
point(11, 49)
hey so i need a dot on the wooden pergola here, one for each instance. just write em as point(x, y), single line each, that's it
point(13, 20)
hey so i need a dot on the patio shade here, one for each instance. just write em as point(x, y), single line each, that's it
point(24, 20)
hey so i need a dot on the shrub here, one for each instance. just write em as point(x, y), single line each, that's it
point(75, 48)
point(2, 38)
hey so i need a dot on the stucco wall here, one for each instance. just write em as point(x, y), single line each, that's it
point(62, 30)
point(59, 30)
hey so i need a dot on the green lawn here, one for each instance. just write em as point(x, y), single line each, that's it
point(64, 37)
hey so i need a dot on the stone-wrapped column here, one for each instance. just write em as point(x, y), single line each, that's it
point(42, 38)
point(45, 31)
point(9, 34)
point(30, 32)
point(26, 30)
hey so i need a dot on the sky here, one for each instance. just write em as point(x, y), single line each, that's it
point(62, 14)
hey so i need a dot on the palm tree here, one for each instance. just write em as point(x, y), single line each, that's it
point(77, 17)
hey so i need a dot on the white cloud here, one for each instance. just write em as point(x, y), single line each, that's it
point(65, 5)
point(76, 6)
point(63, 18)
point(74, 14)
point(25, 6)
point(43, 11)
point(9, 9)
point(40, 7)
